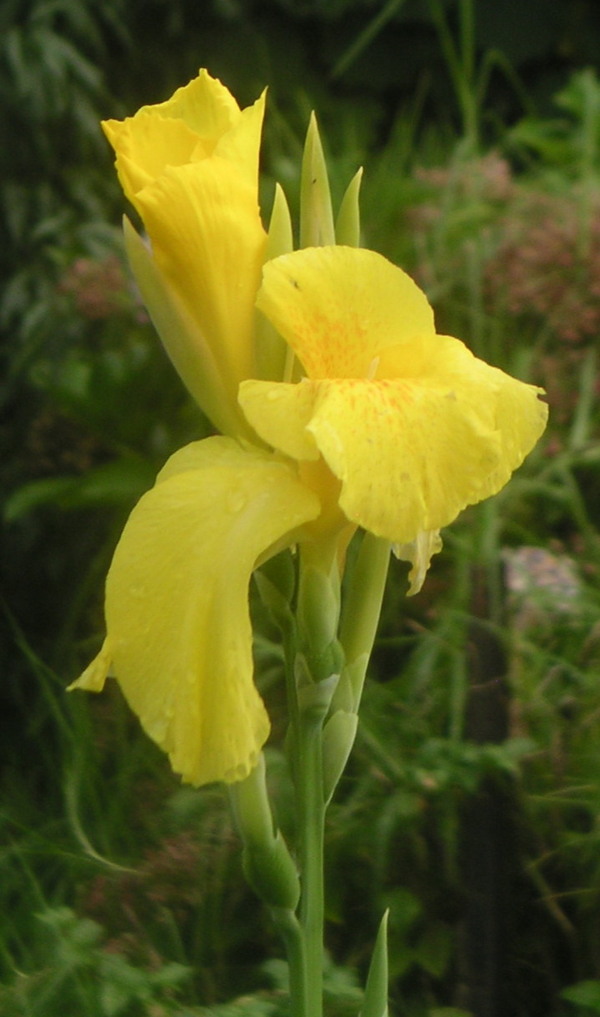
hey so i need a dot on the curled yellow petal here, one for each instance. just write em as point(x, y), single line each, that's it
point(179, 639)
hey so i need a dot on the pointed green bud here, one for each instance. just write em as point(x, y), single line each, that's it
point(316, 215)
point(272, 351)
point(280, 236)
point(347, 224)
point(360, 617)
point(318, 608)
point(375, 1003)
point(338, 738)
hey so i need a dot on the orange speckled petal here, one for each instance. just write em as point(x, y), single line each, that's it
point(340, 307)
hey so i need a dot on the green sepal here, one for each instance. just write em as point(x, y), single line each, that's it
point(268, 865)
point(338, 738)
point(316, 214)
point(314, 697)
point(318, 608)
point(360, 616)
point(352, 677)
point(271, 872)
point(347, 224)
point(375, 1003)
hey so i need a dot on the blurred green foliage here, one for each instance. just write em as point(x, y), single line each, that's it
point(479, 127)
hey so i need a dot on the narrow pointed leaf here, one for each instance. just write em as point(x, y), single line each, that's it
point(347, 226)
point(376, 993)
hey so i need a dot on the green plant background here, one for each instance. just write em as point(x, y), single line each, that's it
point(471, 802)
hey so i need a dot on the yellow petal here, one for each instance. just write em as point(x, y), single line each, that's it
point(340, 307)
point(411, 452)
point(96, 673)
point(200, 119)
point(204, 104)
point(183, 339)
point(208, 243)
point(177, 613)
point(145, 146)
point(419, 553)
point(280, 415)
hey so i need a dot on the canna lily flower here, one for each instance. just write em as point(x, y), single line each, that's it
point(389, 427)
point(412, 425)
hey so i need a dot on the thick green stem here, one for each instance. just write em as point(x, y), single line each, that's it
point(293, 939)
point(311, 810)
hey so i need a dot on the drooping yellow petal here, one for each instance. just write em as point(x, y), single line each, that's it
point(179, 637)
point(340, 307)
point(411, 452)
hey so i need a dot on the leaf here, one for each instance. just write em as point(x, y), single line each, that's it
point(585, 994)
point(376, 993)
point(119, 482)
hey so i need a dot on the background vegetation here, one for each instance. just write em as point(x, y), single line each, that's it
point(472, 800)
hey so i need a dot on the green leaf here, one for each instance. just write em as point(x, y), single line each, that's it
point(119, 482)
point(586, 994)
point(376, 993)
point(433, 949)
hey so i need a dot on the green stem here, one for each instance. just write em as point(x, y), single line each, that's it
point(293, 939)
point(311, 814)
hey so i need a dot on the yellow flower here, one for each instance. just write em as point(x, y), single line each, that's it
point(190, 168)
point(412, 425)
point(391, 427)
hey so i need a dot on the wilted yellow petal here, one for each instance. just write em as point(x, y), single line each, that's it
point(419, 553)
point(340, 307)
point(177, 611)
